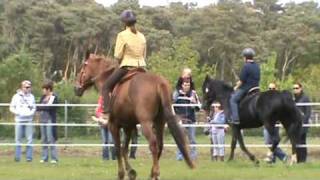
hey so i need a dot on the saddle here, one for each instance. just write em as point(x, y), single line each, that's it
point(131, 73)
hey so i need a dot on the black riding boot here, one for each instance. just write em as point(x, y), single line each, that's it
point(114, 78)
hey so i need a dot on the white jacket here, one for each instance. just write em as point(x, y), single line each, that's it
point(23, 106)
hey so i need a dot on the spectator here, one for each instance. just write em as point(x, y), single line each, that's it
point(218, 132)
point(48, 116)
point(23, 107)
point(187, 113)
point(278, 152)
point(301, 97)
point(105, 133)
point(186, 75)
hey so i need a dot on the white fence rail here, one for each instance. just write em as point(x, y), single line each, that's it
point(65, 105)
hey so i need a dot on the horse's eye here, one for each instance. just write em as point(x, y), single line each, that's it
point(207, 90)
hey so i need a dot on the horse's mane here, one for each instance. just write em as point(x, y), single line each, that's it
point(220, 86)
point(107, 59)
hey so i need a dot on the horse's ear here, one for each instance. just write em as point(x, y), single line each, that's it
point(207, 78)
point(87, 55)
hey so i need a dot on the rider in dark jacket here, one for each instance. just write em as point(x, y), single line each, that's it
point(249, 78)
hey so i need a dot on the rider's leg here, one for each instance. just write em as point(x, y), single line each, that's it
point(234, 103)
point(109, 85)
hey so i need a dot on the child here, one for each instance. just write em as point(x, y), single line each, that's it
point(218, 132)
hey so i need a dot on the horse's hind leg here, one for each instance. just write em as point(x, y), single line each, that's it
point(115, 131)
point(147, 130)
point(159, 127)
point(244, 149)
point(131, 172)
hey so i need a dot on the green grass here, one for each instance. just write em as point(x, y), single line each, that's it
point(86, 168)
point(84, 163)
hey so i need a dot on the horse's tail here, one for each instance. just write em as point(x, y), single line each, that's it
point(172, 122)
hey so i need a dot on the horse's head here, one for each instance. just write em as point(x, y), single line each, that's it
point(215, 90)
point(208, 92)
point(94, 68)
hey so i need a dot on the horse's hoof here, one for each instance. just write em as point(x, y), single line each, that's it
point(230, 160)
point(155, 178)
point(256, 163)
point(132, 174)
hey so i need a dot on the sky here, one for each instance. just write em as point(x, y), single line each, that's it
point(200, 2)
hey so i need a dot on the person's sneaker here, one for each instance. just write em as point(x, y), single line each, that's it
point(285, 159)
point(42, 161)
point(53, 161)
point(29, 160)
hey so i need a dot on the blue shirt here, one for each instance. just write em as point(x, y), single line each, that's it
point(218, 118)
point(250, 75)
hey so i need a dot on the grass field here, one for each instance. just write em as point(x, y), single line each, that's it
point(78, 168)
point(84, 163)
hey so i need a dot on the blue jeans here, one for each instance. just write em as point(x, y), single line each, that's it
point(191, 131)
point(107, 139)
point(20, 132)
point(278, 151)
point(234, 104)
point(47, 138)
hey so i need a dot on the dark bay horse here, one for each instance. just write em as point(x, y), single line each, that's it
point(144, 99)
point(255, 110)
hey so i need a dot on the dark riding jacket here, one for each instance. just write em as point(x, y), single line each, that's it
point(250, 75)
point(304, 110)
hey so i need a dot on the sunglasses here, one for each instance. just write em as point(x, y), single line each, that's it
point(272, 88)
point(295, 88)
point(28, 87)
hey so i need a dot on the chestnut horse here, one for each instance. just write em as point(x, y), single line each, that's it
point(144, 99)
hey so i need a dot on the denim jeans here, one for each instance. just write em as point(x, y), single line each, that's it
point(191, 132)
point(48, 138)
point(20, 132)
point(217, 138)
point(107, 139)
point(234, 104)
point(278, 151)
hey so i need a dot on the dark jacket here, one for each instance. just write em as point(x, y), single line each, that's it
point(304, 110)
point(52, 112)
point(185, 112)
point(250, 75)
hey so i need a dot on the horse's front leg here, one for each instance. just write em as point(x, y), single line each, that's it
point(243, 147)
point(233, 143)
point(115, 131)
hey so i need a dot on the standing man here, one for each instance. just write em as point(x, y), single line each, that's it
point(249, 78)
point(23, 107)
point(301, 97)
point(278, 152)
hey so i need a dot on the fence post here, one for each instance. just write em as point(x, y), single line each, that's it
point(65, 119)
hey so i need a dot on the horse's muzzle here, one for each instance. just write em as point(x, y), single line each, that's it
point(78, 91)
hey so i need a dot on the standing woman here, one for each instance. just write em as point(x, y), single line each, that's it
point(130, 51)
point(48, 116)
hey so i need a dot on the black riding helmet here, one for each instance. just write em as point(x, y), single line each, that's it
point(248, 53)
point(128, 17)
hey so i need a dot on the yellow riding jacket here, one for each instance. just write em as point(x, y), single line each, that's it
point(130, 48)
